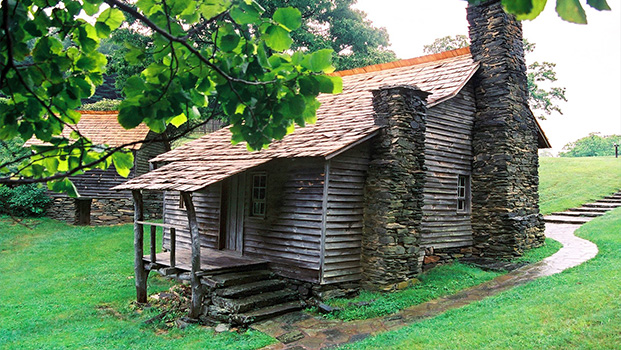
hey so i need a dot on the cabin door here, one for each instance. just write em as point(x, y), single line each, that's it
point(234, 196)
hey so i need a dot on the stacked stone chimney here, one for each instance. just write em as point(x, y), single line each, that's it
point(505, 209)
point(394, 189)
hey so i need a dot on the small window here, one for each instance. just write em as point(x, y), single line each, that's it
point(181, 202)
point(259, 194)
point(463, 194)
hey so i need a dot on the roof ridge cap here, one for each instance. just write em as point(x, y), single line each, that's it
point(404, 62)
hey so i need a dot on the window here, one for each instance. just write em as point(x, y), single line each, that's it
point(181, 202)
point(259, 188)
point(463, 193)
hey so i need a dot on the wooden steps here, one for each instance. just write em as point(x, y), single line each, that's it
point(245, 297)
point(587, 212)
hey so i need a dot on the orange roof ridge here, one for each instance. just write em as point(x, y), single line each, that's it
point(404, 62)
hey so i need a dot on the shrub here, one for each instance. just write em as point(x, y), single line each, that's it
point(103, 105)
point(25, 200)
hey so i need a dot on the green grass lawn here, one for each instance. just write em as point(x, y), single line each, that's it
point(438, 282)
point(570, 182)
point(72, 287)
point(577, 309)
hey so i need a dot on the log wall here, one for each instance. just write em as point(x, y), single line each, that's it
point(344, 215)
point(448, 153)
point(207, 206)
point(289, 236)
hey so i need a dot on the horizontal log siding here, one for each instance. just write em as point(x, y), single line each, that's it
point(289, 234)
point(96, 183)
point(344, 217)
point(207, 206)
point(448, 153)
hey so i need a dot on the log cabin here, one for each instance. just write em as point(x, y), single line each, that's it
point(416, 161)
point(97, 203)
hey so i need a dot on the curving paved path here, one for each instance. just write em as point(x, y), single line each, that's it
point(302, 331)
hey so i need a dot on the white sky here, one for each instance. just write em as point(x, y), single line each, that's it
point(587, 57)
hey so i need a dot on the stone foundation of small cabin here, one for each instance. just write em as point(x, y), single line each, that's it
point(103, 211)
point(434, 257)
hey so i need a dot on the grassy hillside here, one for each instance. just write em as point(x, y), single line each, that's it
point(570, 182)
point(577, 309)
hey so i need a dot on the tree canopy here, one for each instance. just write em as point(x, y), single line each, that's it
point(232, 56)
point(593, 145)
point(223, 52)
point(542, 97)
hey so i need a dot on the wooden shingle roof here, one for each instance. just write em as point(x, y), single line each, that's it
point(343, 120)
point(103, 128)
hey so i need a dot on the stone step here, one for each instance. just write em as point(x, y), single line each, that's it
point(268, 312)
point(251, 288)
point(602, 205)
point(256, 301)
point(566, 219)
point(609, 200)
point(237, 278)
point(593, 210)
point(578, 213)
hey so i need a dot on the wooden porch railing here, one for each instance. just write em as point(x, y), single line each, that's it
point(139, 268)
point(153, 240)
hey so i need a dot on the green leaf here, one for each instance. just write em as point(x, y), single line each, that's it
point(600, 5)
point(571, 11)
point(277, 38)
point(319, 61)
point(538, 6)
point(518, 7)
point(123, 162)
point(91, 9)
point(245, 14)
point(229, 42)
point(288, 17)
point(65, 186)
point(112, 18)
point(130, 116)
point(179, 120)
point(212, 8)
point(329, 84)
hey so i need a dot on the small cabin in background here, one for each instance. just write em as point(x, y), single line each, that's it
point(97, 203)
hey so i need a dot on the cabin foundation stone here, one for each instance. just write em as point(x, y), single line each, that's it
point(394, 190)
point(505, 211)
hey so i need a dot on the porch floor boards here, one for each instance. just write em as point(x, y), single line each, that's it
point(212, 260)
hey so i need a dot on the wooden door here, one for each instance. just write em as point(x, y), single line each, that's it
point(83, 212)
point(232, 230)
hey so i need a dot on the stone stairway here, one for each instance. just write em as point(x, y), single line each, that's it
point(241, 298)
point(586, 212)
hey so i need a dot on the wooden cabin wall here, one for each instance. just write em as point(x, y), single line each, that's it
point(147, 152)
point(207, 206)
point(289, 236)
point(344, 215)
point(96, 183)
point(448, 153)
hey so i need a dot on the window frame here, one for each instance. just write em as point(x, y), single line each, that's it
point(256, 200)
point(463, 194)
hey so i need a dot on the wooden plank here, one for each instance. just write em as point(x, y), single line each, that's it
point(141, 274)
point(152, 243)
point(197, 290)
point(324, 206)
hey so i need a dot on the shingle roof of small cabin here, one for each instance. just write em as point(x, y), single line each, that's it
point(343, 120)
point(103, 128)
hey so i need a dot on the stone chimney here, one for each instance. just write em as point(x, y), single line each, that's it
point(505, 200)
point(394, 189)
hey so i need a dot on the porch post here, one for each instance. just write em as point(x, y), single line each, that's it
point(197, 290)
point(139, 270)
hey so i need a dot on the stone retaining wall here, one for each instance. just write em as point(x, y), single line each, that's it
point(104, 211)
